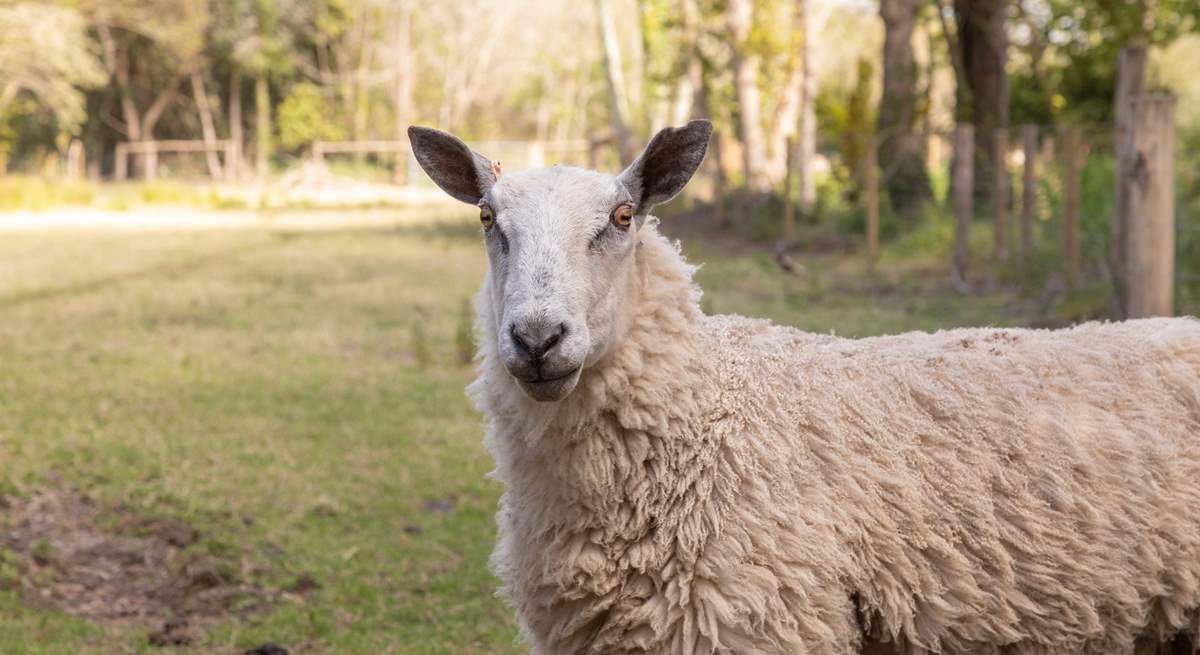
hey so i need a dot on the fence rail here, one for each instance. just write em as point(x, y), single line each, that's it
point(1060, 192)
point(147, 153)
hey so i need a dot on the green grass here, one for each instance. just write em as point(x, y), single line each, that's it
point(262, 386)
point(298, 397)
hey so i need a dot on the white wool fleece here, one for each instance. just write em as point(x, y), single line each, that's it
point(724, 485)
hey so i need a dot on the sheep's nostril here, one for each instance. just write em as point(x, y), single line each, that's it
point(522, 347)
point(554, 338)
point(535, 339)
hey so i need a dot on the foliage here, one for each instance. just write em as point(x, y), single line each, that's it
point(46, 53)
point(305, 116)
point(1069, 52)
point(846, 112)
point(176, 28)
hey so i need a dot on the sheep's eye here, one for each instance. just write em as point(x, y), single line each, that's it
point(487, 217)
point(622, 216)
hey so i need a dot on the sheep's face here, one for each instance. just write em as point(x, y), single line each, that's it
point(560, 244)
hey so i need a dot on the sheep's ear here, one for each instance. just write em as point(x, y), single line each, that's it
point(666, 165)
point(464, 174)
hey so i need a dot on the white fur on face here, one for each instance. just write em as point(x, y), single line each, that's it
point(556, 259)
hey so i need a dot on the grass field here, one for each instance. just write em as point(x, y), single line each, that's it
point(297, 398)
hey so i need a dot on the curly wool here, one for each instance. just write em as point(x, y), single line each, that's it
point(718, 484)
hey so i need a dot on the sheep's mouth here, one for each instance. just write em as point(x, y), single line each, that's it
point(548, 380)
point(551, 388)
point(557, 377)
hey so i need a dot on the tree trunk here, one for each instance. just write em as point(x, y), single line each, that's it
point(362, 101)
point(901, 149)
point(1028, 196)
point(964, 143)
point(200, 96)
point(740, 17)
point(698, 83)
point(806, 137)
point(1000, 193)
point(871, 176)
point(695, 65)
point(233, 163)
point(117, 63)
point(962, 96)
point(791, 102)
point(138, 127)
point(614, 78)
point(640, 100)
point(262, 126)
point(1072, 163)
point(984, 50)
point(402, 91)
point(165, 99)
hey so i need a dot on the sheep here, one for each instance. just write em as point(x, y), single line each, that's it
point(677, 483)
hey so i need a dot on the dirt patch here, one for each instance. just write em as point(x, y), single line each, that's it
point(114, 565)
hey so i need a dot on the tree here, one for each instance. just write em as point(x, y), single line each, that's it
point(793, 100)
point(901, 147)
point(149, 48)
point(208, 129)
point(403, 70)
point(304, 118)
point(614, 79)
point(51, 70)
point(979, 53)
point(745, 65)
point(1073, 47)
point(806, 141)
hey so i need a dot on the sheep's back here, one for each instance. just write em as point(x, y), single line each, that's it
point(1032, 487)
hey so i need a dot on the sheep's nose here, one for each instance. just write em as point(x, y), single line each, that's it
point(534, 339)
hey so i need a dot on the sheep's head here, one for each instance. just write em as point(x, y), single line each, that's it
point(560, 242)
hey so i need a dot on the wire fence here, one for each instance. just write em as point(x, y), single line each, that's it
point(1058, 231)
point(1057, 182)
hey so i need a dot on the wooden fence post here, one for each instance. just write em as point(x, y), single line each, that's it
point(789, 200)
point(871, 177)
point(150, 159)
point(121, 162)
point(964, 186)
point(75, 160)
point(1000, 192)
point(1131, 81)
point(1071, 164)
point(398, 166)
point(1028, 195)
point(1149, 188)
point(231, 161)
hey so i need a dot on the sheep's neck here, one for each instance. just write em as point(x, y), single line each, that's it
point(635, 408)
point(657, 342)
